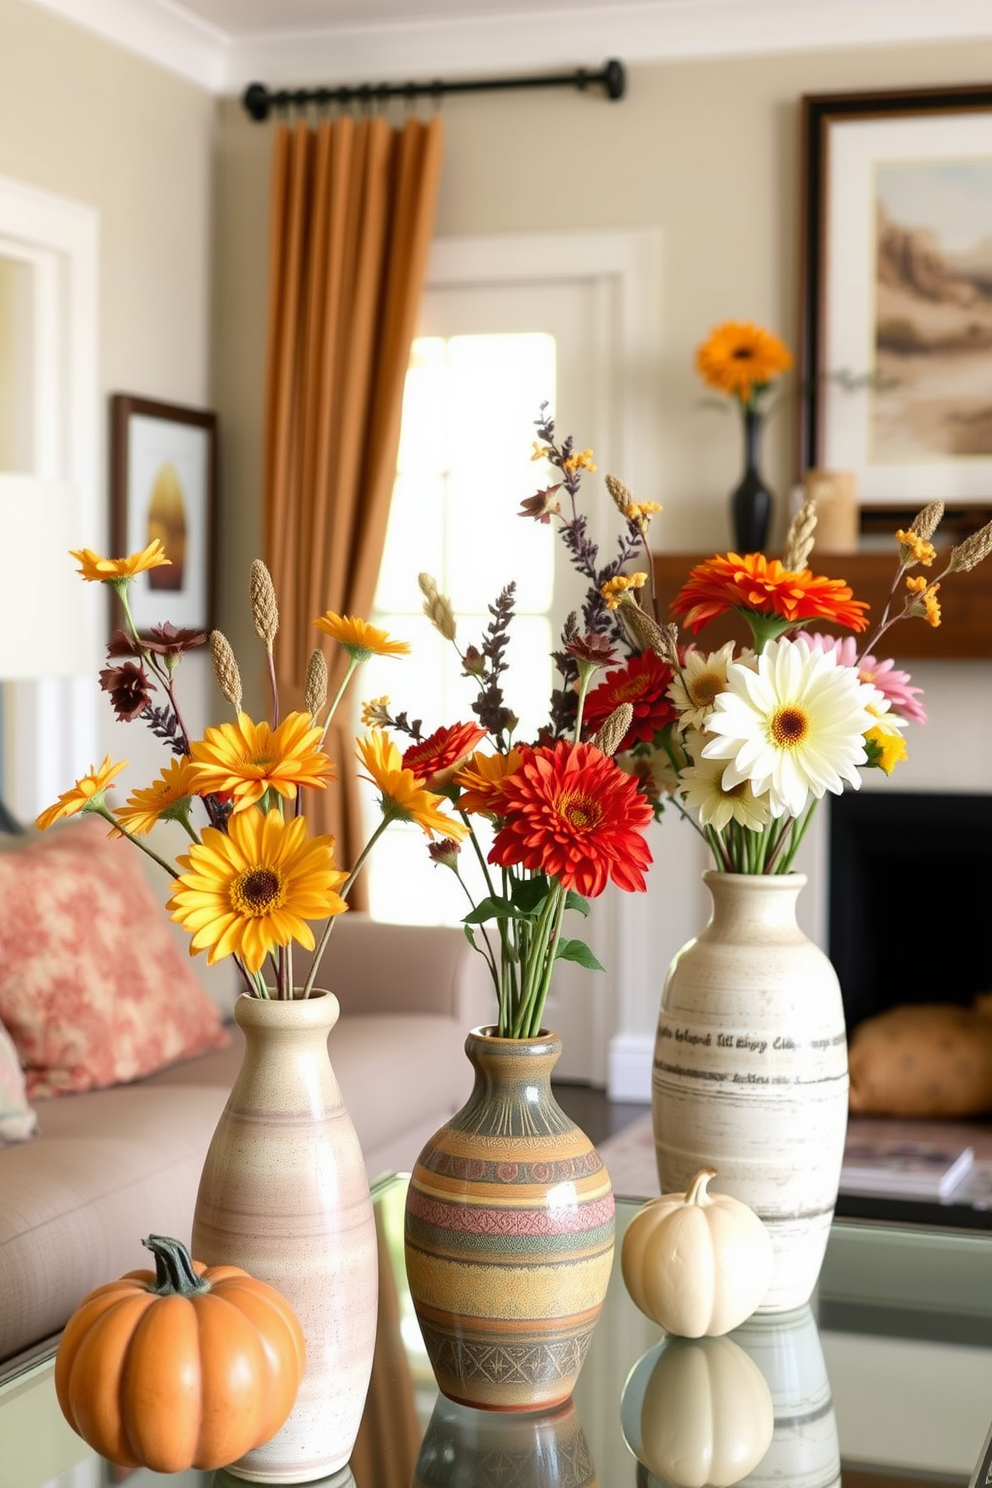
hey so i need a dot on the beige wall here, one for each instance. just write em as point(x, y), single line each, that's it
point(83, 119)
point(706, 151)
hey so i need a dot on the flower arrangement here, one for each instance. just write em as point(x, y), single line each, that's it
point(744, 741)
point(254, 877)
point(550, 821)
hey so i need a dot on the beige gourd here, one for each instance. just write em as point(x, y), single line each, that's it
point(707, 1416)
point(697, 1263)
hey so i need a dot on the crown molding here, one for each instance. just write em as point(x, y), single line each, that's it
point(168, 33)
point(163, 32)
point(648, 32)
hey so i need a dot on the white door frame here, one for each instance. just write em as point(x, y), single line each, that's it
point(625, 268)
point(53, 733)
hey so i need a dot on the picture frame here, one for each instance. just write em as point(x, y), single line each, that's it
point(895, 361)
point(163, 480)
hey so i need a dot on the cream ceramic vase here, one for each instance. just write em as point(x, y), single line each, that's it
point(750, 1072)
point(284, 1195)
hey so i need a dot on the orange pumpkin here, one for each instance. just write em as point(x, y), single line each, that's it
point(184, 1366)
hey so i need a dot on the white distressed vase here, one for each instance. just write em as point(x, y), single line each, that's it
point(750, 1072)
point(284, 1194)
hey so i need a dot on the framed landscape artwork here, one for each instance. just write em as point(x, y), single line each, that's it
point(162, 484)
point(896, 359)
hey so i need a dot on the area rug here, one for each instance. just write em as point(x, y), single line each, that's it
point(629, 1160)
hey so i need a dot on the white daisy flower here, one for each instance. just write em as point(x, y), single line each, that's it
point(794, 728)
point(701, 787)
point(702, 679)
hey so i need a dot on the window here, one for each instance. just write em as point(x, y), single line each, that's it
point(464, 467)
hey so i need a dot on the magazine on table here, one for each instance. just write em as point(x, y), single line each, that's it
point(904, 1169)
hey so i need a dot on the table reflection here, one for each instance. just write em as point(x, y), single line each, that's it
point(468, 1448)
point(752, 1408)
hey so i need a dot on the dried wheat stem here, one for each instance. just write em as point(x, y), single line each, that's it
point(264, 610)
point(226, 669)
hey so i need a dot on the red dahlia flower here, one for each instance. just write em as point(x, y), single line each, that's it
point(643, 683)
point(569, 811)
point(435, 760)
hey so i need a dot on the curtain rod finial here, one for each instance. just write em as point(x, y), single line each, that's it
point(256, 100)
point(615, 79)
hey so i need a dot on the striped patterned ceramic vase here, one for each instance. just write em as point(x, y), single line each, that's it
point(509, 1235)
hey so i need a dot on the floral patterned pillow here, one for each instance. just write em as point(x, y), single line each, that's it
point(17, 1120)
point(94, 990)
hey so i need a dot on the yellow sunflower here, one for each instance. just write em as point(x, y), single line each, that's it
point(253, 888)
point(167, 798)
point(360, 639)
point(738, 358)
point(246, 759)
point(403, 795)
point(86, 795)
point(107, 570)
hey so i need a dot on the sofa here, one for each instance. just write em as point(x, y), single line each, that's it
point(109, 1164)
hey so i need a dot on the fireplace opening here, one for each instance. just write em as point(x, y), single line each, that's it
point(910, 899)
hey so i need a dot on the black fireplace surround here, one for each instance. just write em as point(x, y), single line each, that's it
point(910, 898)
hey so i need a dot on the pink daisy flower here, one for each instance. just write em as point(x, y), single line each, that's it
point(903, 697)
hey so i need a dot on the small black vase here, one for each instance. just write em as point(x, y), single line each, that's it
point(751, 501)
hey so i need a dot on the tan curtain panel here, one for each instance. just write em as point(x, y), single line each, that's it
point(352, 214)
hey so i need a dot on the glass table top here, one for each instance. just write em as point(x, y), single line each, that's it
point(886, 1375)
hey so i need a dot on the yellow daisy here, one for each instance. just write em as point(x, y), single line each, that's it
point(360, 639)
point(86, 795)
point(403, 795)
point(246, 759)
point(107, 570)
point(253, 888)
point(167, 799)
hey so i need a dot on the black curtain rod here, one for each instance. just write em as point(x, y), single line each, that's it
point(259, 101)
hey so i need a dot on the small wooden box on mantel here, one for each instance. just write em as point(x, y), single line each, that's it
point(965, 631)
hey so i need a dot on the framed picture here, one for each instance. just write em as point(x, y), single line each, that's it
point(162, 484)
point(896, 346)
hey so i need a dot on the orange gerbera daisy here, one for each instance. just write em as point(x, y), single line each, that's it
point(404, 797)
point(739, 358)
point(758, 585)
point(360, 639)
point(482, 779)
point(167, 799)
point(88, 794)
point(643, 683)
point(436, 759)
point(247, 759)
point(253, 888)
point(569, 811)
point(109, 570)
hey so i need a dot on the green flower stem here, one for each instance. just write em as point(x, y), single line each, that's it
point(534, 976)
point(353, 664)
point(120, 587)
point(586, 674)
point(798, 833)
point(547, 961)
point(488, 953)
point(109, 816)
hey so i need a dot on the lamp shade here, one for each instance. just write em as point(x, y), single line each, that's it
point(46, 614)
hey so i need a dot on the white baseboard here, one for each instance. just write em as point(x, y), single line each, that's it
point(630, 1060)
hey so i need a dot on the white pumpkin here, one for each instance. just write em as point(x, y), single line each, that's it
point(707, 1417)
point(697, 1263)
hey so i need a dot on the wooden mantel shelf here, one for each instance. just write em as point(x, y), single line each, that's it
point(964, 634)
